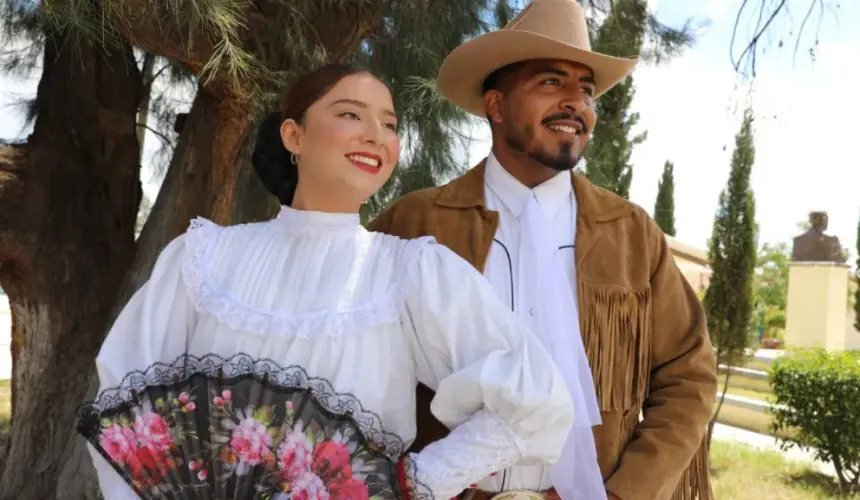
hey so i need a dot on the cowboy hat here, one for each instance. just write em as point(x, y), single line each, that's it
point(545, 29)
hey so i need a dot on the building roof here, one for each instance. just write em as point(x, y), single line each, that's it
point(688, 252)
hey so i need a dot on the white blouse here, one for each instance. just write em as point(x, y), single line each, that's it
point(372, 314)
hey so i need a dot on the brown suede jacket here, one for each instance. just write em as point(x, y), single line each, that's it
point(642, 325)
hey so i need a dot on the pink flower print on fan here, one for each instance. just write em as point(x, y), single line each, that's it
point(295, 454)
point(148, 468)
point(251, 442)
point(308, 486)
point(118, 442)
point(331, 460)
point(349, 489)
point(152, 431)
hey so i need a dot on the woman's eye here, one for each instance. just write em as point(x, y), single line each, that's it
point(350, 115)
point(392, 126)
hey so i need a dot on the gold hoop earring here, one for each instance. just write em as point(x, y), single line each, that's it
point(294, 159)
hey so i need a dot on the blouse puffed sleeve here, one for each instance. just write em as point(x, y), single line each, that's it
point(153, 327)
point(496, 385)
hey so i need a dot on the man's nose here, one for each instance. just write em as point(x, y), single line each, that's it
point(574, 103)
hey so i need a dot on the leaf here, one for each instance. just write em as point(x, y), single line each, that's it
point(263, 415)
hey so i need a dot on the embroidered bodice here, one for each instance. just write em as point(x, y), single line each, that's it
point(370, 313)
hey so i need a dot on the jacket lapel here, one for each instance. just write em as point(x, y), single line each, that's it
point(470, 228)
point(594, 207)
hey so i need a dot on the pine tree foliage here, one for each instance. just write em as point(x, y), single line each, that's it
point(732, 252)
point(664, 206)
point(624, 33)
point(256, 50)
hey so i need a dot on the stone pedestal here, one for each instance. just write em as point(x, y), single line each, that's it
point(817, 303)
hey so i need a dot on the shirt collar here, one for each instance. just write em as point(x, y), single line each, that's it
point(551, 195)
point(301, 220)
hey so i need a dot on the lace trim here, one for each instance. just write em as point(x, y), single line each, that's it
point(482, 445)
point(239, 365)
point(201, 238)
point(417, 489)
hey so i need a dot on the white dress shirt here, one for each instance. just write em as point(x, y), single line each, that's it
point(507, 195)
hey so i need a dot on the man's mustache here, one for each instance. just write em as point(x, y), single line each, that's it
point(566, 116)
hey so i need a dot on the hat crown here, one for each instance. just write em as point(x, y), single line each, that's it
point(561, 20)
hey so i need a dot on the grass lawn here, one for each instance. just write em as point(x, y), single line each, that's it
point(750, 394)
point(746, 419)
point(755, 364)
point(740, 472)
point(739, 381)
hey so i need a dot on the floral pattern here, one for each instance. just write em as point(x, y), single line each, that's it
point(243, 438)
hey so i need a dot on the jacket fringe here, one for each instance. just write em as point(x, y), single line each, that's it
point(616, 334)
point(694, 484)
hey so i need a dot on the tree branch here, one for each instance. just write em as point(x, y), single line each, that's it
point(748, 57)
point(160, 135)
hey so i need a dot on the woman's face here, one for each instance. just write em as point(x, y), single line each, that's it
point(347, 146)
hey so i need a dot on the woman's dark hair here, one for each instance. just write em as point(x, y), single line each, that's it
point(271, 160)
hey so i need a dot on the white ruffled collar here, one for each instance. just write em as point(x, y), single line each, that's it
point(318, 221)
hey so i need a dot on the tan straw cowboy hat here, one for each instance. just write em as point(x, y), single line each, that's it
point(545, 29)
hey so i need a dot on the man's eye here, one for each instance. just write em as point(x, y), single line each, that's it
point(551, 81)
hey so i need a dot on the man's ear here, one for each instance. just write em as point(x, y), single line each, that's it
point(291, 134)
point(492, 106)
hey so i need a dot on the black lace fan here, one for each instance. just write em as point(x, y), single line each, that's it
point(241, 428)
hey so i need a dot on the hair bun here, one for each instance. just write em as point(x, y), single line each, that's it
point(271, 160)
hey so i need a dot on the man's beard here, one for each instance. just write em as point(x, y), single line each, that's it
point(523, 141)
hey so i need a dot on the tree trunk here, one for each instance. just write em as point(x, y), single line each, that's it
point(205, 156)
point(68, 201)
point(713, 422)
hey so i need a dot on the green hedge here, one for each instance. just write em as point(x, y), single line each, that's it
point(817, 398)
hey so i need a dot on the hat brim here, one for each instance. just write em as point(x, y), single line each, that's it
point(461, 77)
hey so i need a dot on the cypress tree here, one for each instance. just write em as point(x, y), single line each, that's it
point(664, 206)
point(732, 251)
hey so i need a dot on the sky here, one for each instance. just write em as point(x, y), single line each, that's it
point(691, 107)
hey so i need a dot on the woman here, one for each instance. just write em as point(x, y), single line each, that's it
point(370, 313)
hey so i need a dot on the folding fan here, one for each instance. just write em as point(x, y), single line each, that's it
point(241, 428)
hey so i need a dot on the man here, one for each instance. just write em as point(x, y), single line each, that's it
point(582, 266)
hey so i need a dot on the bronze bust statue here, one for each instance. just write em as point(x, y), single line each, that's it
point(814, 245)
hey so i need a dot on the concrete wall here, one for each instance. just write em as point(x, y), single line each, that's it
point(852, 336)
point(693, 263)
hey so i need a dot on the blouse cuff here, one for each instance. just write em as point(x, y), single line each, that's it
point(482, 445)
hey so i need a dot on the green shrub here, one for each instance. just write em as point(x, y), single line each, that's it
point(817, 398)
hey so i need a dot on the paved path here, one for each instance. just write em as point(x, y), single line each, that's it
point(762, 442)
